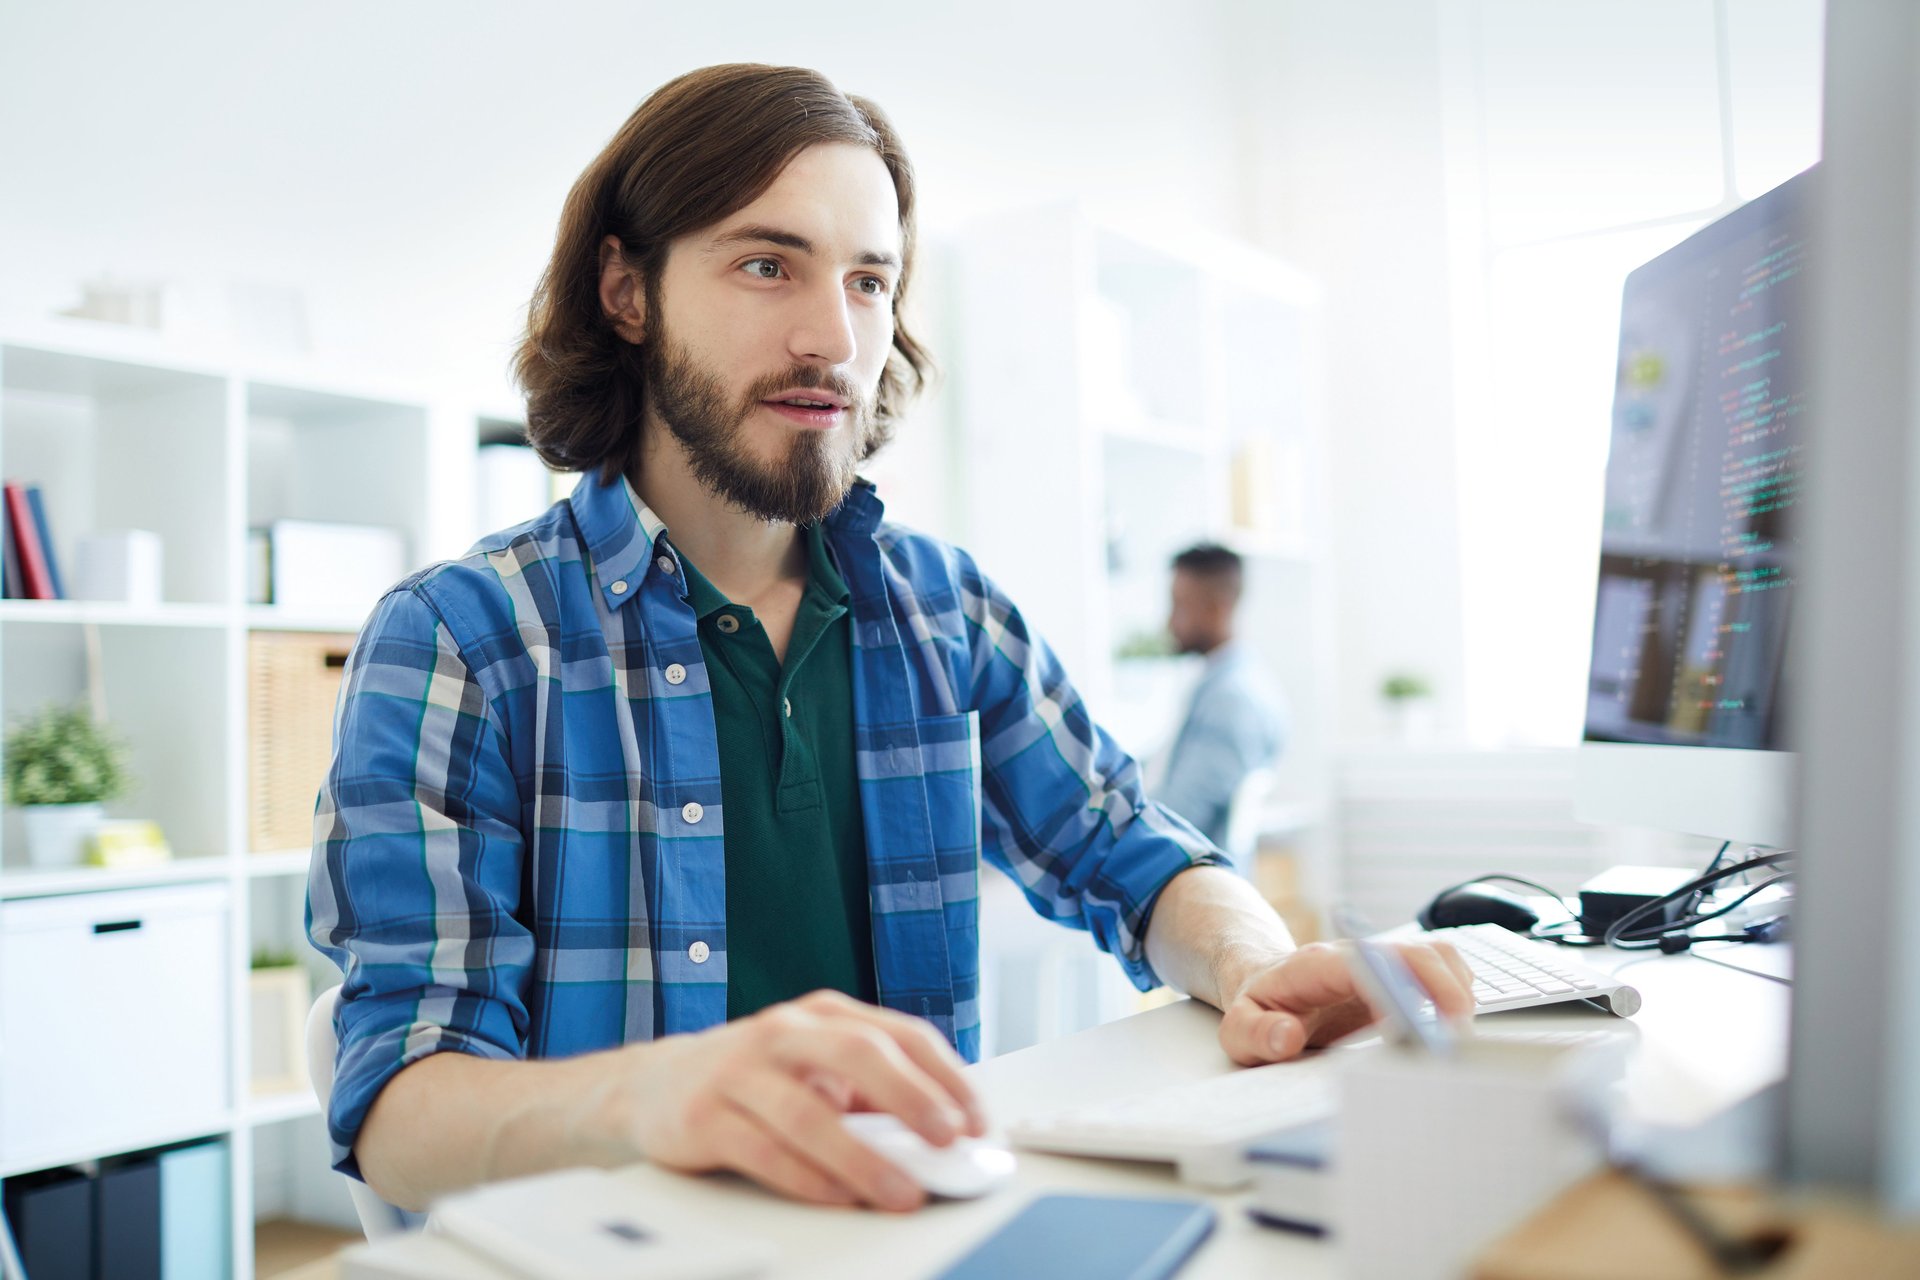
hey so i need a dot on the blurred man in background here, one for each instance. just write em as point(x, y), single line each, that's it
point(1234, 728)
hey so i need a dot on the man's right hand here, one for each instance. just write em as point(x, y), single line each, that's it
point(763, 1097)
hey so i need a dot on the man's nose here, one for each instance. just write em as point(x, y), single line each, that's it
point(823, 331)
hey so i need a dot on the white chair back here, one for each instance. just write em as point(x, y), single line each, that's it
point(377, 1218)
point(1244, 813)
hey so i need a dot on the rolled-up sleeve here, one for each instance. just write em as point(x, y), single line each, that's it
point(417, 864)
point(1063, 811)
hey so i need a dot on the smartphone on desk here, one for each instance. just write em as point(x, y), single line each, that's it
point(1090, 1238)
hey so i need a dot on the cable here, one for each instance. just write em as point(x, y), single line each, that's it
point(1698, 918)
point(1628, 934)
point(1694, 899)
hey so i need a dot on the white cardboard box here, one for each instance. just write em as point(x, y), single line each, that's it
point(122, 565)
point(334, 568)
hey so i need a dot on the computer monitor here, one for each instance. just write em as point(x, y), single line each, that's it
point(1687, 682)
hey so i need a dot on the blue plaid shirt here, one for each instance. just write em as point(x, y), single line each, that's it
point(517, 850)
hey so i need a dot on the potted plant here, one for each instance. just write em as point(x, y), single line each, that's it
point(1409, 700)
point(280, 995)
point(61, 769)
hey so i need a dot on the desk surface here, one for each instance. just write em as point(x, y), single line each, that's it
point(1709, 1036)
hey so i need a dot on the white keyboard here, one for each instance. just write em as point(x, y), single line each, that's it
point(1512, 972)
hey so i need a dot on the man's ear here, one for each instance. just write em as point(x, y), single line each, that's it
point(622, 297)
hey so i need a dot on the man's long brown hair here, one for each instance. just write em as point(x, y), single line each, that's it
point(700, 148)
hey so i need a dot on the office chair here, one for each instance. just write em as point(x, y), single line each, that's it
point(377, 1218)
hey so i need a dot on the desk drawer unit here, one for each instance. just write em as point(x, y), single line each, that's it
point(113, 1021)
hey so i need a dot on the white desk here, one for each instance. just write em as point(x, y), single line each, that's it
point(1709, 1036)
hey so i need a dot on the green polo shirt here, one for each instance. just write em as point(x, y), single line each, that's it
point(798, 918)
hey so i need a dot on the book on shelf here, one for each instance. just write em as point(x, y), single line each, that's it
point(38, 505)
point(39, 575)
point(12, 586)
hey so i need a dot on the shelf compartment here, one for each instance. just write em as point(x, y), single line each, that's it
point(124, 446)
point(166, 695)
point(337, 459)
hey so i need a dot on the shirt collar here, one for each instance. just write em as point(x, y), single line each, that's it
point(1226, 656)
point(626, 539)
point(859, 513)
point(822, 576)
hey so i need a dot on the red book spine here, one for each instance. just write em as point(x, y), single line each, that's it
point(26, 536)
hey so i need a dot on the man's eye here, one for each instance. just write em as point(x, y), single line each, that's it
point(878, 286)
point(764, 268)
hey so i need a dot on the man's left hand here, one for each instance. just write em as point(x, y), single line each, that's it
point(1308, 998)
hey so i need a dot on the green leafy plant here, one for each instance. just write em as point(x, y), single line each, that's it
point(61, 756)
point(273, 958)
point(1145, 644)
point(1404, 685)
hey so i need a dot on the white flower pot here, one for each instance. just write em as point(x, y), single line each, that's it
point(1413, 720)
point(57, 833)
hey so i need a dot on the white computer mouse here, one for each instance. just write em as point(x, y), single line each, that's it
point(964, 1170)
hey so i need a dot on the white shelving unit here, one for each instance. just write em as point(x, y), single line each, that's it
point(121, 435)
point(1121, 395)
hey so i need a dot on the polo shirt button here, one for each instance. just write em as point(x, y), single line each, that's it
point(676, 673)
point(698, 953)
point(619, 587)
point(728, 623)
point(787, 703)
point(665, 563)
point(692, 812)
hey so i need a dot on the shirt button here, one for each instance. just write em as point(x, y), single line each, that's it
point(665, 563)
point(619, 587)
point(698, 953)
point(728, 623)
point(692, 812)
point(787, 704)
point(676, 673)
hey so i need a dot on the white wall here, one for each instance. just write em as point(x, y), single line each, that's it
point(1352, 187)
point(404, 164)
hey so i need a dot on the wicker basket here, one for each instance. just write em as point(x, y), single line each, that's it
point(293, 678)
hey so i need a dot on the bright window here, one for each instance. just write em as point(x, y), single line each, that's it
point(1604, 139)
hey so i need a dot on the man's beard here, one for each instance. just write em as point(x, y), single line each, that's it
point(801, 488)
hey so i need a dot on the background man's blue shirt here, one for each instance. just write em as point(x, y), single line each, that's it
point(1234, 725)
point(518, 848)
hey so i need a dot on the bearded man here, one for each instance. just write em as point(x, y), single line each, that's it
point(655, 824)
